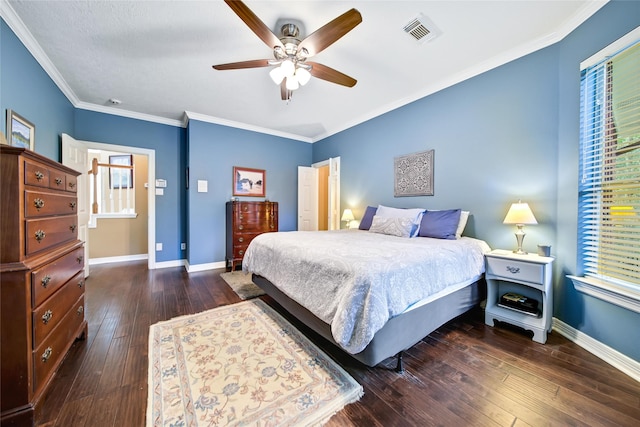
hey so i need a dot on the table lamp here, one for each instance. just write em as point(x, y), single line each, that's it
point(520, 214)
point(347, 216)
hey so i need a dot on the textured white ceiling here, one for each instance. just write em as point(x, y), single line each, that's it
point(156, 56)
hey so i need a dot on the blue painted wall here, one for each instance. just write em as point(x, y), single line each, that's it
point(213, 152)
point(29, 91)
point(510, 133)
point(169, 143)
point(494, 138)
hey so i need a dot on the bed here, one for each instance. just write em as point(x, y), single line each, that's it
point(372, 294)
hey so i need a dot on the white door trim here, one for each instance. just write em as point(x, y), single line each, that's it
point(151, 190)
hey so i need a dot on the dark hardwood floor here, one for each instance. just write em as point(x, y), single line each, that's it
point(465, 373)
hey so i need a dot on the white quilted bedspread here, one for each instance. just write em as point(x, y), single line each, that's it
point(356, 280)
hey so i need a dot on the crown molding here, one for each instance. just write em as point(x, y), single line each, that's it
point(188, 115)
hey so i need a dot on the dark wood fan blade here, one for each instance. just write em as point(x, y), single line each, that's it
point(285, 93)
point(254, 23)
point(331, 32)
point(255, 63)
point(329, 74)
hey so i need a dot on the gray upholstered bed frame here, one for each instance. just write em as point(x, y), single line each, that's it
point(399, 333)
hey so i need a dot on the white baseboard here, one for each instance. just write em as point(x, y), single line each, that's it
point(112, 259)
point(174, 263)
point(613, 357)
point(203, 267)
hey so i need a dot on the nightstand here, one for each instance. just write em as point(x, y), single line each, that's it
point(527, 275)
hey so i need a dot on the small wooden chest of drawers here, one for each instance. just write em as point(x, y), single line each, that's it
point(245, 221)
point(41, 278)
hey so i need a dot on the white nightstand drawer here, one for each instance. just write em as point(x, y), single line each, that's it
point(511, 269)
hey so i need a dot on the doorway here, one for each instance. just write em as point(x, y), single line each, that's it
point(75, 154)
point(319, 195)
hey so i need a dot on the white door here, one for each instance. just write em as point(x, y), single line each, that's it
point(307, 198)
point(75, 155)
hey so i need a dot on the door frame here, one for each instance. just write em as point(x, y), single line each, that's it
point(151, 193)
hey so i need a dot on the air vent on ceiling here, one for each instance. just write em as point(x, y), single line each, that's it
point(421, 29)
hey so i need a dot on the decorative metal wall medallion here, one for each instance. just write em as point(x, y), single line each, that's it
point(413, 174)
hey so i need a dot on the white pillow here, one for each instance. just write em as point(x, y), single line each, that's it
point(414, 214)
point(464, 216)
point(400, 227)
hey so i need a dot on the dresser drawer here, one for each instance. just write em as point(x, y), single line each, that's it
point(36, 174)
point(47, 279)
point(518, 270)
point(50, 313)
point(39, 204)
point(72, 184)
point(44, 233)
point(48, 355)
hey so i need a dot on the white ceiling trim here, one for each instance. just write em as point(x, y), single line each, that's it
point(25, 36)
point(239, 125)
point(15, 23)
point(480, 68)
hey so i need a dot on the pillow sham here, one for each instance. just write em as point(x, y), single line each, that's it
point(400, 227)
point(365, 222)
point(440, 224)
point(414, 214)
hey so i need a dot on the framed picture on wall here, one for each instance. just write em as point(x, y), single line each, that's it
point(249, 182)
point(121, 177)
point(20, 131)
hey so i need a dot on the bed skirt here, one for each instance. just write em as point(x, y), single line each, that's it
point(399, 333)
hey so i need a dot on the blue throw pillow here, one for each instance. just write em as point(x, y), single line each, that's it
point(367, 218)
point(440, 224)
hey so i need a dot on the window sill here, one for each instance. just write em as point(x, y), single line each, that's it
point(607, 291)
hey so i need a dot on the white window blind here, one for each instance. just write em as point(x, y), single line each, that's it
point(609, 189)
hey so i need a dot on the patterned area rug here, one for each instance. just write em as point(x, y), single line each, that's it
point(241, 364)
point(242, 284)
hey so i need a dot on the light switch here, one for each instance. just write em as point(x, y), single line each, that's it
point(159, 191)
point(203, 186)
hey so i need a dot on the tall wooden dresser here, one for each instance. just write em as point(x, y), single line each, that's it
point(41, 278)
point(245, 221)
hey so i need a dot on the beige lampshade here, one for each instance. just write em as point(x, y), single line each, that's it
point(520, 213)
point(347, 215)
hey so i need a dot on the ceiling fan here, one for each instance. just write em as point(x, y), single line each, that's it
point(292, 68)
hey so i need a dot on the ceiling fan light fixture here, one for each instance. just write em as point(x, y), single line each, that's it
point(292, 83)
point(276, 75)
point(303, 76)
point(288, 68)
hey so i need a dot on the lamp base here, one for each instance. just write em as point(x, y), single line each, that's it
point(520, 238)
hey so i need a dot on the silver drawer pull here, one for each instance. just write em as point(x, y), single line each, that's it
point(240, 227)
point(72, 205)
point(58, 181)
point(513, 270)
point(47, 316)
point(240, 239)
point(72, 228)
point(39, 175)
point(80, 310)
point(79, 259)
point(47, 354)
point(81, 283)
point(241, 252)
point(38, 203)
point(45, 281)
point(72, 185)
point(40, 235)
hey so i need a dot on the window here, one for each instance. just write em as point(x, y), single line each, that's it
point(609, 186)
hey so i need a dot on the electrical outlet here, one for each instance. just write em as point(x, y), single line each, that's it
point(158, 246)
point(183, 246)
